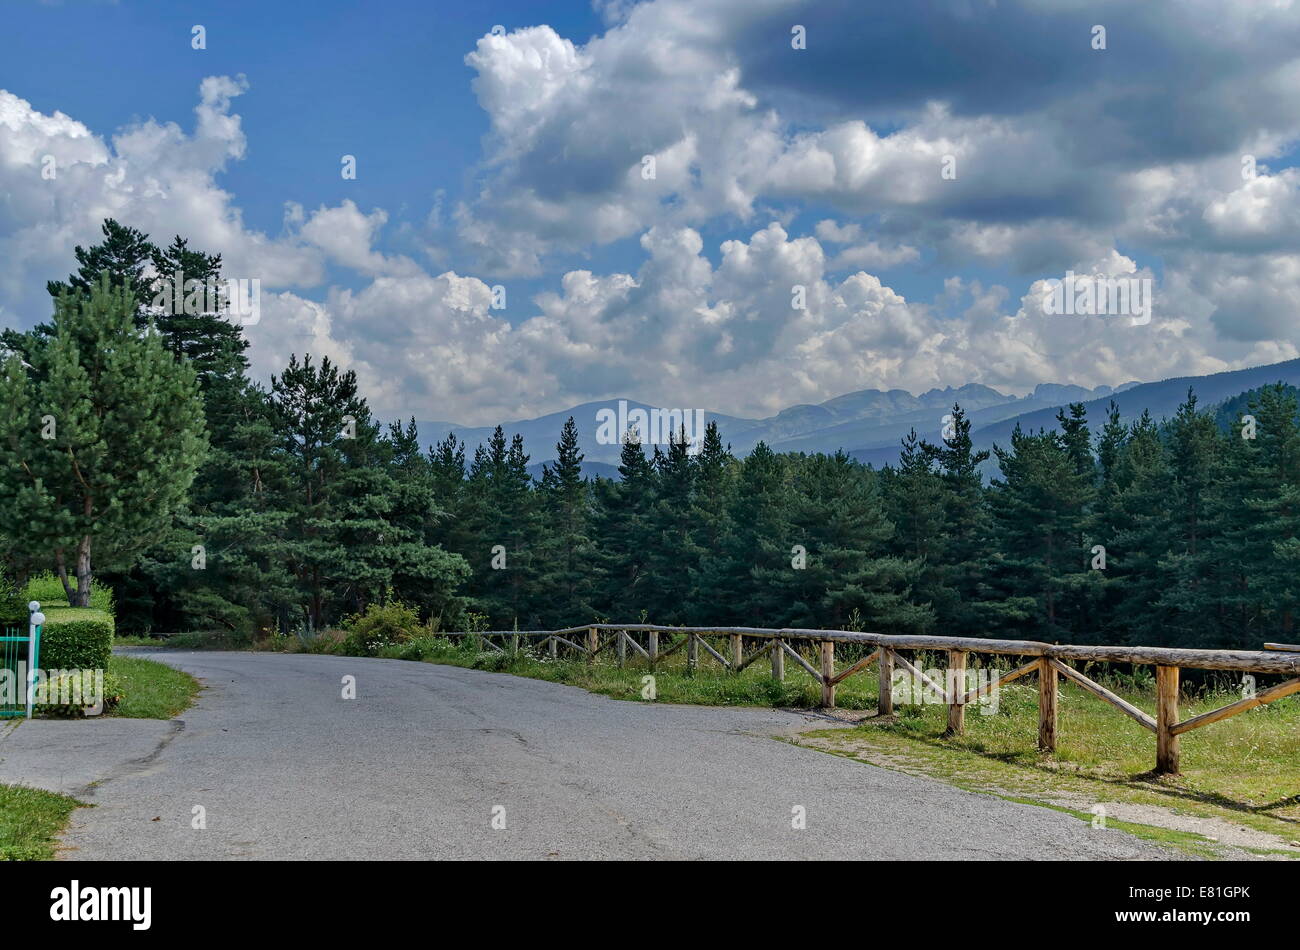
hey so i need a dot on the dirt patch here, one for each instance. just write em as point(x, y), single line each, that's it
point(1215, 829)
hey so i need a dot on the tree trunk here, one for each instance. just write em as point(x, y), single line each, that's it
point(78, 596)
point(85, 577)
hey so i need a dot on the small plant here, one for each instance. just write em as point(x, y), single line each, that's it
point(306, 635)
point(61, 685)
point(380, 626)
point(277, 642)
point(328, 641)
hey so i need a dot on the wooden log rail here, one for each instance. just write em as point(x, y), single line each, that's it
point(1049, 663)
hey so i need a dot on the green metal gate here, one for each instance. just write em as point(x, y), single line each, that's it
point(20, 657)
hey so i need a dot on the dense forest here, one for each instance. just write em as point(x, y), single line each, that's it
point(215, 502)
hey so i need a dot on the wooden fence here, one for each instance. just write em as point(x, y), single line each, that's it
point(1049, 662)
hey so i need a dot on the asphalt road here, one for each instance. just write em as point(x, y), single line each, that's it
point(419, 762)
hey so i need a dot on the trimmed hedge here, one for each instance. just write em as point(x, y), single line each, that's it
point(76, 640)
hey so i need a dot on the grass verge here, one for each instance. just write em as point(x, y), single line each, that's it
point(30, 821)
point(1238, 787)
point(152, 690)
point(196, 640)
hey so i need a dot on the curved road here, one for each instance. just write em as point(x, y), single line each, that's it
point(416, 764)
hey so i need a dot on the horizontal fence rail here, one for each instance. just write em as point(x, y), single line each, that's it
point(1050, 663)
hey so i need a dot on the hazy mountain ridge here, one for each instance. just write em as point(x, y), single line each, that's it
point(869, 423)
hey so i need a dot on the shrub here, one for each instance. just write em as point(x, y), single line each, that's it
point(13, 605)
point(77, 644)
point(114, 693)
point(275, 643)
point(422, 647)
point(382, 625)
point(329, 641)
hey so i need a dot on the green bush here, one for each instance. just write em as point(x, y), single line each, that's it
point(13, 605)
point(329, 642)
point(60, 686)
point(382, 625)
point(422, 647)
point(77, 644)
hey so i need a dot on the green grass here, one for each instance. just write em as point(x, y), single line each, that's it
point(130, 641)
point(1252, 758)
point(1244, 770)
point(193, 640)
point(48, 591)
point(30, 820)
point(709, 685)
point(152, 690)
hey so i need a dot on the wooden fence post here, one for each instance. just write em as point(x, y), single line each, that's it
point(1047, 695)
point(622, 647)
point(828, 672)
point(737, 651)
point(1166, 717)
point(885, 702)
point(778, 661)
point(555, 648)
point(593, 643)
point(654, 647)
point(692, 652)
point(956, 690)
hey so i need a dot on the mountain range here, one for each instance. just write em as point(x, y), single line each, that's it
point(869, 423)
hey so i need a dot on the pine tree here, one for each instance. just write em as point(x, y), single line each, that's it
point(837, 514)
point(1200, 586)
point(447, 466)
point(622, 531)
point(1134, 524)
point(521, 528)
point(756, 546)
point(715, 472)
point(1104, 523)
point(501, 521)
point(1246, 548)
point(965, 529)
point(1038, 561)
point(670, 526)
point(424, 575)
point(212, 343)
point(124, 256)
point(473, 514)
point(102, 439)
point(351, 529)
point(565, 575)
point(914, 502)
point(163, 588)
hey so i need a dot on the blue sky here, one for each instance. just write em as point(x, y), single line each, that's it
point(384, 81)
point(516, 161)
